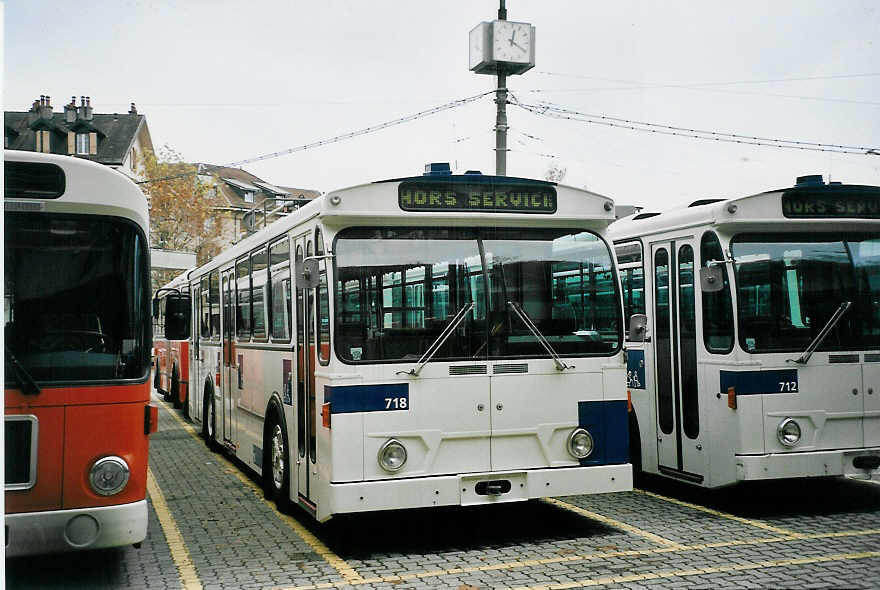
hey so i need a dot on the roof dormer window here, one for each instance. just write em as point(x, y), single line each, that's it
point(82, 144)
point(249, 196)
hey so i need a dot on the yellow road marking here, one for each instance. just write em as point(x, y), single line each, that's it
point(699, 571)
point(754, 523)
point(347, 572)
point(517, 564)
point(179, 552)
point(615, 523)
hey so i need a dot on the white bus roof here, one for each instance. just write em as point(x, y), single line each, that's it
point(88, 188)
point(376, 203)
point(759, 212)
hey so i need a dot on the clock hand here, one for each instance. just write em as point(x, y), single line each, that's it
point(518, 45)
point(512, 35)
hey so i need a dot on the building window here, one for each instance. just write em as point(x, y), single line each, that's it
point(133, 160)
point(82, 144)
point(43, 142)
point(249, 196)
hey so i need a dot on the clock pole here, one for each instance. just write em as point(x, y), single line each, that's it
point(501, 113)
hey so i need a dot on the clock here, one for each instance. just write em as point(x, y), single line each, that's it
point(502, 47)
point(512, 42)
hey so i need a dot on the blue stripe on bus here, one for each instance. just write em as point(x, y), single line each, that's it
point(347, 399)
point(608, 424)
point(758, 382)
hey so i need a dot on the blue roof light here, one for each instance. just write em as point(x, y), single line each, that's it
point(438, 169)
point(810, 180)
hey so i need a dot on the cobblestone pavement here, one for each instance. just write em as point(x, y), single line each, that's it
point(211, 528)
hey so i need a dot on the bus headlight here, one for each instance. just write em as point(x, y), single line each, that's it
point(392, 455)
point(788, 432)
point(109, 475)
point(580, 443)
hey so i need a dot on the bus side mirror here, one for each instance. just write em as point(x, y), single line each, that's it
point(711, 278)
point(638, 325)
point(306, 273)
point(177, 312)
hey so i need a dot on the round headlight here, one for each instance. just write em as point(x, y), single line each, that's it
point(392, 455)
point(580, 443)
point(109, 475)
point(788, 432)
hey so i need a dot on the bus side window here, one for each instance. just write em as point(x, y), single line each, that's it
point(632, 279)
point(214, 304)
point(279, 301)
point(717, 306)
point(259, 280)
point(243, 298)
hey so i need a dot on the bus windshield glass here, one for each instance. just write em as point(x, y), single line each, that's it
point(789, 285)
point(398, 288)
point(75, 297)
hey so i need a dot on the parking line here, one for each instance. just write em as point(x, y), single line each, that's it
point(614, 523)
point(750, 522)
point(348, 573)
point(700, 571)
point(176, 545)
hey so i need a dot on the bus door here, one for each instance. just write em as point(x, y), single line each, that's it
point(871, 398)
point(305, 376)
point(679, 432)
point(229, 380)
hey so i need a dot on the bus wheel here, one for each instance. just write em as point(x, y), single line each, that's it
point(276, 470)
point(635, 449)
point(156, 377)
point(209, 422)
point(175, 388)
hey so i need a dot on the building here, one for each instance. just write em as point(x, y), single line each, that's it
point(118, 140)
point(246, 201)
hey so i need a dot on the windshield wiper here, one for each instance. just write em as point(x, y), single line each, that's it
point(521, 313)
point(22, 377)
point(820, 337)
point(435, 346)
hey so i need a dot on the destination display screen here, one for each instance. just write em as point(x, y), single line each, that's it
point(852, 202)
point(503, 197)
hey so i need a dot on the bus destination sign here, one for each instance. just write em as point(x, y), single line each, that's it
point(483, 197)
point(816, 204)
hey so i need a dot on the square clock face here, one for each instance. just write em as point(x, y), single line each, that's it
point(479, 43)
point(512, 42)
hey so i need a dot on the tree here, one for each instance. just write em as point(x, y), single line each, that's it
point(184, 214)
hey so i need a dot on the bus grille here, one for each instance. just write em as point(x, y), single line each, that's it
point(514, 368)
point(468, 370)
point(20, 452)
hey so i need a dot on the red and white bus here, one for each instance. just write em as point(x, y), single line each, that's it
point(171, 378)
point(76, 301)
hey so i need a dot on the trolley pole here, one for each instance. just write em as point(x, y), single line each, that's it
point(501, 112)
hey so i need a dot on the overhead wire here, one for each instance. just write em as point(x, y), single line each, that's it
point(547, 109)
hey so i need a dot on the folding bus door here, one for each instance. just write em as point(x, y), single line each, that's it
point(679, 442)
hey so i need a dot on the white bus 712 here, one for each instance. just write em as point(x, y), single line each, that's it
point(754, 345)
point(426, 341)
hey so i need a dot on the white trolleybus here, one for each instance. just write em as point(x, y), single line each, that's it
point(427, 341)
point(768, 364)
point(76, 302)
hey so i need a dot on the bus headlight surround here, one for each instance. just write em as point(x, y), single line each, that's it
point(109, 475)
point(392, 455)
point(788, 432)
point(580, 443)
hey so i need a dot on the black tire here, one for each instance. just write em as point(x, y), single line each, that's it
point(156, 377)
point(276, 462)
point(635, 449)
point(209, 422)
point(175, 388)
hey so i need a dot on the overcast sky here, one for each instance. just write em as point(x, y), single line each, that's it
point(223, 81)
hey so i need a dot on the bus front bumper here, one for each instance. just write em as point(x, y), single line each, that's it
point(807, 464)
point(475, 488)
point(32, 533)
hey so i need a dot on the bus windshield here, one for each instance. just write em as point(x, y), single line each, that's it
point(398, 288)
point(789, 285)
point(76, 297)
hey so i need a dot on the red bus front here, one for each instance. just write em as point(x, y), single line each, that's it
point(77, 338)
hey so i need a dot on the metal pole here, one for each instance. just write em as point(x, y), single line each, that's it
point(501, 126)
point(501, 114)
